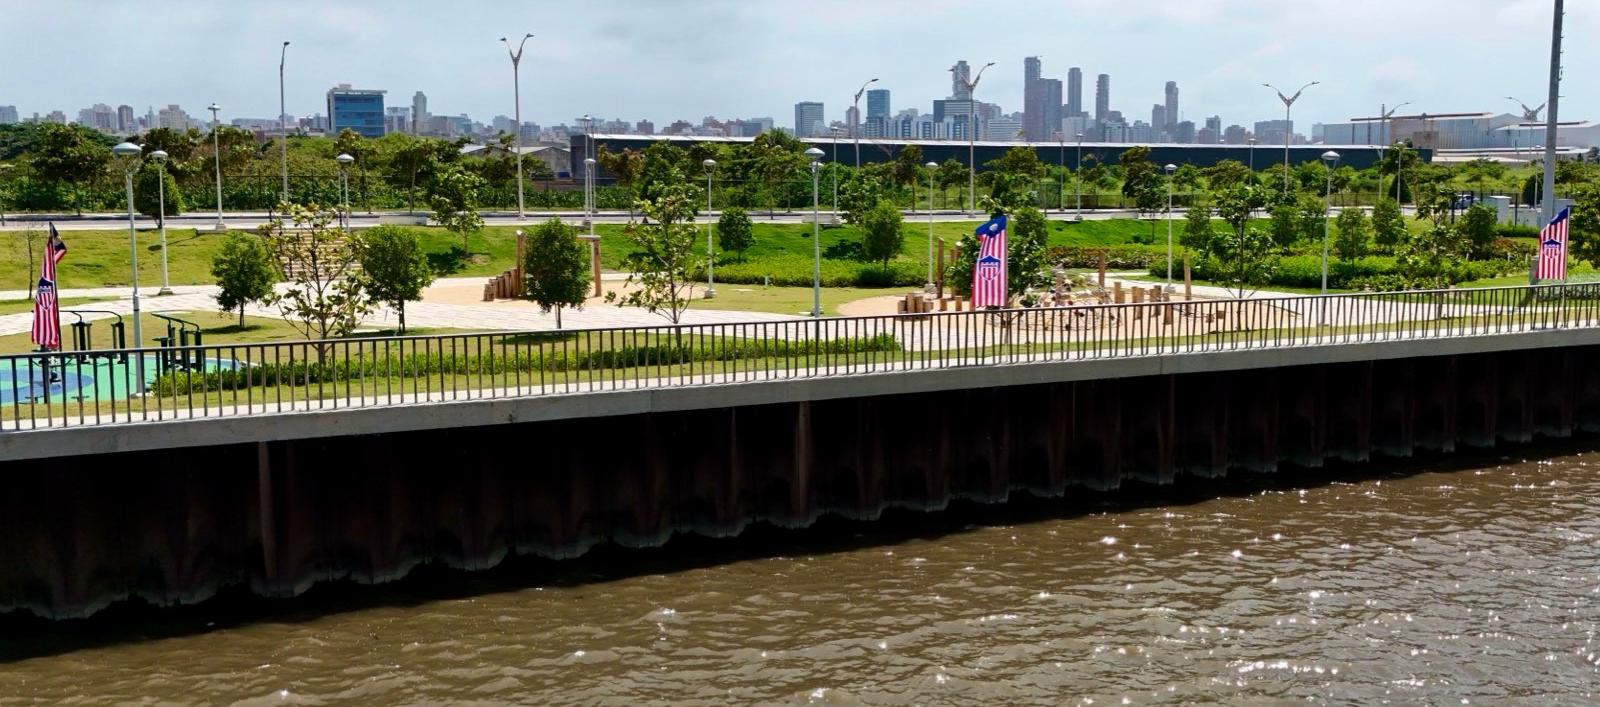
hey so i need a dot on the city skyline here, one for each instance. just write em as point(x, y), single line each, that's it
point(758, 68)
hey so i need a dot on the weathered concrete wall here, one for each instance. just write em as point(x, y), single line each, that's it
point(173, 525)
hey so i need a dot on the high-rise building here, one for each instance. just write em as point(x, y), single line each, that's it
point(1102, 97)
point(852, 121)
point(1032, 70)
point(125, 120)
point(1074, 92)
point(1158, 117)
point(8, 115)
point(878, 103)
point(396, 119)
point(173, 118)
point(1183, 132)
point(1042, 114)
point(1274, 132)
point(360, 110)
point(644, 127)
point(1235, 135)
point(1172, 107)
point(57, 117)
point(419, 111)
point(960, 74)
point(809, 119)
point(100, 117)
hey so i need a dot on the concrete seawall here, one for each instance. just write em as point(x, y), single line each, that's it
point(171, 512)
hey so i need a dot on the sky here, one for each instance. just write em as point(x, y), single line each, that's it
point(671, 59)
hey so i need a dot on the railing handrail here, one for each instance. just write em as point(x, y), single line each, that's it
point(668, 326)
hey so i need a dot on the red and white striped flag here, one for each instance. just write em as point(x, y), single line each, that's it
point(1553, 248)
point(989, 273)
point(46, 302)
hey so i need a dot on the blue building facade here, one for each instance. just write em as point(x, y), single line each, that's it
point(357, 109)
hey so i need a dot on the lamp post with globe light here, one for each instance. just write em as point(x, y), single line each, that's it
point(711, 254)
point(160, 158)
point(127, 157)
point(344, 161)
point(1169, 169)
point(932, 166)
point(216, 150)
point(814, 154)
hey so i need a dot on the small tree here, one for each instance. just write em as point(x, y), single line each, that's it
point(1027, 261)
point(1388, 226)
point(1284, 226)
point(147, 196)
point(453, 196)
point(1477, 226)
point(1197, 228)
point(1586, 222)
point(243, 269)
point(663, 253)
point(324, 299)
point(1353, 234)
point(883, 235)
point(394, 268)
point(555, 268)
point(1244, 257)
point(735, 232)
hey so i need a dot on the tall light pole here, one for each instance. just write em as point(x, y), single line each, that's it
point(711, 255)
point(344, 161)
point(856, 127)
point(833, 167)
point(1548, 213)
point(1385, 117)
point(588, 192)
point(516, 93)
point(160, 158)
point(127, 154)
point(1077, 180)
point(972, 131)
point(283, 123)
point(932, 166)
point(216, 149)
point(1169, 169)
point(1061, 188)
point(1288, 132)
point(1332, 158)
point(814, 154)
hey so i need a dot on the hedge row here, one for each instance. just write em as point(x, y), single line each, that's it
point(419, 365)
point(1378, 272)
point(1117, 257)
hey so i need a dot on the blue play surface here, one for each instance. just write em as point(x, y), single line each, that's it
point(93, 380)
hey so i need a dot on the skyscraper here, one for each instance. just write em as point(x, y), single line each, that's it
point(878, 103)
point(125, 121)
point(1074, 92)
point(1172, 107)
point(8, 115)
point(419, 112)
point(1158, 117)
point(1041, 110)
point(1032, 70)
point(1102, 97)
point(808, 118)
point(960, 74)
point(358, 109)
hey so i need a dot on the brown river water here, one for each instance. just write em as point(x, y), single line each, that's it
point(1445, 582)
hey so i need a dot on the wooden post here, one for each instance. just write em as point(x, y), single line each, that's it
point(1138, 298)
point(1116, 292)
point(1102, 279)
point(1188, 279)
point(516, 268)
point(938, 275)
point(594, 262)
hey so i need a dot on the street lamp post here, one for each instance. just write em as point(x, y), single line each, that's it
point(931, 167)
point(1251, 181)
point(588, 192)
point(516, 93)
point(1288, 132)
point(344, 161)
point(972, 131)
point(283, 123)
point(160, 158)
point(127, 154)
point(216, 149)
point(711, 255)
point(1077, 180)
point(855, 128)
point(1169, 169)
point(1332, 158)
point(815, 154)
point(1061, 188)
point(833, 167)
point(1385, 115)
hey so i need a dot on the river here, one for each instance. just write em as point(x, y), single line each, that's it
point(1441, 582)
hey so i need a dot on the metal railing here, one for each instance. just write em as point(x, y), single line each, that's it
point(77, 388)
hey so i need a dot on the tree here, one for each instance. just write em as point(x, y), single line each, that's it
point(663, 253)
point(1140, 181)
point(69, 156)
point(453, 197)
point(1284, 226)
point(555, 268)
point(1426, 254)
point(243, 269)
point(1311, 216)
point(1018, 160)
point(147, 194)
point(324, 299)
point(1244, 257)
point(1388, 226)
point(351, 143)
point(735, 232)
point(1226, 174)
point(626, 167)
point(908, 166)
point(394, 268)
point(1586, 222)
point(859, 193)
point(1477, 226)
point(778, 159)
point(1353, 234)
point(1197, 228)
point(883, 235)
point(1027, 262)
point(951, 173)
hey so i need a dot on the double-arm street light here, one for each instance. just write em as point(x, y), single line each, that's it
point(932, 166)
point(216, 149)
point(1384, 116)
point(972, 130)
point(856, 126)
point(516, 93)
point(127, 156)
point(283, 123)
point(1288, 131)
point(1332, 158)
point(813, 154)
point(160, 158)
point(711, 255)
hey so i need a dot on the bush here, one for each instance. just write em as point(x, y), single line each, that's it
point(1305, 271)
point(1508, 230)
point(734, 231)
point(884, 236)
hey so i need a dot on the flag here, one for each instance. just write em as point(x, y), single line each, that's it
point(1552, 263)
point(46, 303)
point(989, 273)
